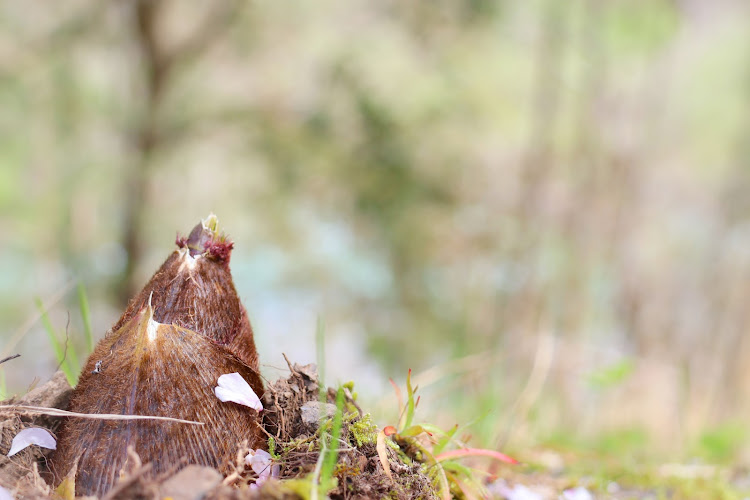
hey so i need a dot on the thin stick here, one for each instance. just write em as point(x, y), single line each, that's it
point(289, 364)
point(9, 358)
point(261, 428)
point(96, 416)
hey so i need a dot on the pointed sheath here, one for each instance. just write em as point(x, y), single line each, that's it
point(163, 357)
point(153, 369)
point(194, 289)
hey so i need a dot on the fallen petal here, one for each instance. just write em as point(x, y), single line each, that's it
point(32, 435)
point(521, 492)
point(232, 387)
point(501, 489)
point(5, 494)
point(579, 493)
point(260, 461)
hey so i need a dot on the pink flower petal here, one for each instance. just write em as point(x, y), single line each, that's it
point(32, 435)
point(579, 493)
point(5, 494)
point(261, 463)
point(232, 387)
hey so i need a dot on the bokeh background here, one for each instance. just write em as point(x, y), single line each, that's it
point(541, 207)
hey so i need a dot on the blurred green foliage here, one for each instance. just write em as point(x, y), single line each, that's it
point(724, 443)
point(438, 180)
point(612, 375)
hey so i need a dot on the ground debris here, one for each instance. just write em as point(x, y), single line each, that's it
point(358, 471)
point(21, 472)
point(191, 483)
point(293, 440)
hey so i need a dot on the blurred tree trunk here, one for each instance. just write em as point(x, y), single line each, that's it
point(155, 74)
point(151, 131)
point(728, 348)
point(537, 167)
point(589, 171)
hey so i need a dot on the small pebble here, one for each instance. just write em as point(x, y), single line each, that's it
point(191, 483)
point(315, 411)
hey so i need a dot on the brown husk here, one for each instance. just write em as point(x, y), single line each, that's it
point(195, 290)
point(359, 472)
point(163, 357)
point(147, 368)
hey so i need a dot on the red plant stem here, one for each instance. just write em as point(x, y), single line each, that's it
point(476, 452)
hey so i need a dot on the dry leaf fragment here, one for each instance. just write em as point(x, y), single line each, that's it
point(380, 447)
point(32, 435)
point(67, 488)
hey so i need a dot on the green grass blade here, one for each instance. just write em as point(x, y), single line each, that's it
point(445, 440)
point(70, 373)
point(71, 362)
point(320, 351)
point(410, 406)
point(83, 304)
point(327, 481)
point(51, 335)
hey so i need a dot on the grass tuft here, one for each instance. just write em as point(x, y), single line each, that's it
point(83, 305)
point(330, 446)
point(428, 445)
point(64, 352)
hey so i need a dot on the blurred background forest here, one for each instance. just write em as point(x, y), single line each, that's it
point(541, 207)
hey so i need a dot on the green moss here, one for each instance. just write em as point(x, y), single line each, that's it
point(304, 442)
point(272, 448)
point(363, 430)
point(298, 486)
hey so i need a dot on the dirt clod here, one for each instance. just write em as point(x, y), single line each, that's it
point(191, 483)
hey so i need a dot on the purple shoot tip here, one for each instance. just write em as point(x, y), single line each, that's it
point(206, 240)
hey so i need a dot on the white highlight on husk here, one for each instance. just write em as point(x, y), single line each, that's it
point(232, 387)
point(188, 261)
point(151, 329)
point(152, 325)
point(32, 435)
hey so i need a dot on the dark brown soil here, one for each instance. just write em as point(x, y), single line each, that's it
point(359, 472)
